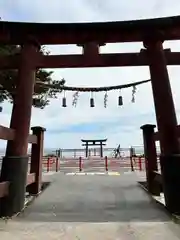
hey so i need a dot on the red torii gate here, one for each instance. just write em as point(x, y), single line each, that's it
point(91, 36)
point(97, 142)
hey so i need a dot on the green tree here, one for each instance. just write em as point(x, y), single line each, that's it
point(42, 95)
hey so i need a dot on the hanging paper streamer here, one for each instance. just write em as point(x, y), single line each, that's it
point(75, 99)
point(133, 94)
point(105, 99)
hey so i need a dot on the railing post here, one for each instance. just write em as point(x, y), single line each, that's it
point(48, 164)
point(106, 163)
point(150, 158)
point(131, 159)
point(140, 164)
point(80, 164)
point(57, 164)
point(37, 160)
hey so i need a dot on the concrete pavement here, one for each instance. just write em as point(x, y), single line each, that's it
point(92, 207)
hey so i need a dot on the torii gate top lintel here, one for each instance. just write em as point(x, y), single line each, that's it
point(94, 140)
point(81, 33)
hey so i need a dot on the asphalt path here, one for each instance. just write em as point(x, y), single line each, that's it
point(92, 207)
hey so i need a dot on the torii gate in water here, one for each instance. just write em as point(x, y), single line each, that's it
point(100, 142)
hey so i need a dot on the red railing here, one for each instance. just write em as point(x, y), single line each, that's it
point(84, 164)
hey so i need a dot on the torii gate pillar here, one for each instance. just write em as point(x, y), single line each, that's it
point(15, 163)
point(166, 122)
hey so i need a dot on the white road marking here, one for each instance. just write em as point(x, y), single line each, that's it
point(93, 173)
point(113, 173)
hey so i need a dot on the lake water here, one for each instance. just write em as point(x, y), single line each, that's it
point(69, 153)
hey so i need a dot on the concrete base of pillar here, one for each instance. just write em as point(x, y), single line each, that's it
point(14, 170)
point(153, 186)
point(170, 168)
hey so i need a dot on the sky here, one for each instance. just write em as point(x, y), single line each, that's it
point(120, 125)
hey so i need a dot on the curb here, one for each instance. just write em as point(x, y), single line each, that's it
point(175, 218)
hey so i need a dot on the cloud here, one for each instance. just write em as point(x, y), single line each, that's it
point(85, 10)
point(66, 127)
